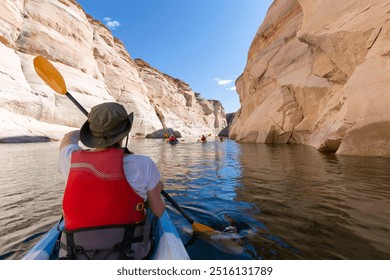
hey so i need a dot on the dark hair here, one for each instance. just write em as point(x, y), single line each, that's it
point(116, 145)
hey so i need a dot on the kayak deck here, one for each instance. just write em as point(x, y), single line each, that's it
point(168, 245)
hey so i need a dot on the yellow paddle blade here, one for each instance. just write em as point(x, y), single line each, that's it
point(200, 228)
point(49, 74)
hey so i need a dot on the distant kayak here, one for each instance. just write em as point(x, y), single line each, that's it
point(203, 139)
point(173, 142)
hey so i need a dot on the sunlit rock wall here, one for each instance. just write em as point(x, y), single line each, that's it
point(318, 74)
point(96, 68)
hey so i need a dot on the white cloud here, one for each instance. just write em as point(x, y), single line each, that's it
point(231, 88)
point(223, 82)
point(110, 23)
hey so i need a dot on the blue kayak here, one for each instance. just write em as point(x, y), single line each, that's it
point(168, 245)
point(173, 142)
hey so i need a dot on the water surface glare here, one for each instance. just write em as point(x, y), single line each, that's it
point(268, 201)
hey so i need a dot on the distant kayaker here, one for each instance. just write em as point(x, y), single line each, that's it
point(203, 139)
point(172, 138)
point(107, 189)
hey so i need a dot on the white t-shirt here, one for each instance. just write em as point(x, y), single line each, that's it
point(140, 171)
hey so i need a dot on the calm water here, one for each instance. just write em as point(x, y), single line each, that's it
point(271, 202)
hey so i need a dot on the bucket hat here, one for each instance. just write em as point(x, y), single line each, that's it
point(107, 123)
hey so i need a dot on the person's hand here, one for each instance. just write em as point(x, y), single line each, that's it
point(72, 137)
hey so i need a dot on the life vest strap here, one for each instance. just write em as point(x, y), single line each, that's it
point(126, 251)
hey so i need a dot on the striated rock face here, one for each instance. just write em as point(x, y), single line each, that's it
point(178, 107)
point(96, 68)
point(318, 74)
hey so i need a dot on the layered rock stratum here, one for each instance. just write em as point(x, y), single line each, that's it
point(96, 68)
point(318, 74)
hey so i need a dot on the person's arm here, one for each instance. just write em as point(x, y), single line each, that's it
point(65, 154)
point(155, 200)
point(70, 138)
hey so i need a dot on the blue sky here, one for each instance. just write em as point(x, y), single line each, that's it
point(202, 42)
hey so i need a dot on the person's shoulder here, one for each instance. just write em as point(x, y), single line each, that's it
point(66, 154)
point(137, 158)
point(70, 148)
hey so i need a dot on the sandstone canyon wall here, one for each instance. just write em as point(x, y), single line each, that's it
point(96, 68)
point(318, 74)
point(178, 106)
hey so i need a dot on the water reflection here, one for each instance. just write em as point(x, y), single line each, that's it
point(326, 207)
point(203, 178)
point(268, 202)
point(30, 193)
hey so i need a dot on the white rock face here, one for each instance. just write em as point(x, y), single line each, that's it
point(184, 111)
point(318, 74)
point(96, 68)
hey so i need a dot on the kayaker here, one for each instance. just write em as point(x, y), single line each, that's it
point(203, 138)
point(107, 189)
point(172, 138)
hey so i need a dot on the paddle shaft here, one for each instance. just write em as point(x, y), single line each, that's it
point(75, 102)
point(177, 206)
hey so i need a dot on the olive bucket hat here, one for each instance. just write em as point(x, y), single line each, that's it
point(107, 124)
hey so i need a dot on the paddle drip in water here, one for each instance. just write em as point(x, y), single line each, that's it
point(230, 229)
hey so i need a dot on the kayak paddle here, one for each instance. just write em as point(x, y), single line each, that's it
point(53, 78)
point(196, 227)
point(50, 75)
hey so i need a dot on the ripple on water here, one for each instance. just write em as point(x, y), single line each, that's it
point(267, 201)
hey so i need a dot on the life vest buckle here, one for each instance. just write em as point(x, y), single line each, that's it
point(140, 206)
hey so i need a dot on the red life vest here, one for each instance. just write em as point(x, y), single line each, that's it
point(97, 192)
